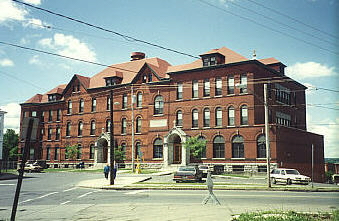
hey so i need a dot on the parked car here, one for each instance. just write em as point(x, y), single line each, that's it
point(32, 167)
point(188, 173)
point(204, 169)
point(288, 176)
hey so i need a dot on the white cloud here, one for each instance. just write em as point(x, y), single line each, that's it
point(309, 70)
point(329, 128)
point(12, 117)
point(33, 2)
point(10, 11)
point(35, 60)
point(70, 46)
point(6, 62)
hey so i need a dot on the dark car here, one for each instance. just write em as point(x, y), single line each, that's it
point(188, 173)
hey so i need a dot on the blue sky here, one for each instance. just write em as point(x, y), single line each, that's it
point(302, 34)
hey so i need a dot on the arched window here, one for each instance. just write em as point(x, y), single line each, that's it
point(157, 148)
point(138, 125)
point(261, 146)
point(218, 86)
point(108, 125)
point(108, 103)
point(219, 147)
point(195, 118)
point(218, 117)
point(158, 105)
point(91, 151)
point(207, 117)
point(92, 131)
point(94, 104)
point(138, 151)
point(69, 107)
point(179, 91)
point(123, 126)
point(207, 87)
point(243, 115)
point(79, 153)
point(230, 84)
point(139, 99)
point(238, 147)
point(80, 127)
point(203, 153)
point(81, 105)
point(179, 118)
point(68, 129)
point(231, 114)
point(124, 101)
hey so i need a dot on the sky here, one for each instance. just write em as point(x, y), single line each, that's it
point(302, 34)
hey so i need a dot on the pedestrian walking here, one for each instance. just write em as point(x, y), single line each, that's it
point(106, 171)
point(210, 191)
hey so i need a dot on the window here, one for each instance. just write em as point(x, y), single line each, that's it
point(94, 104)
point(68, 129)
point(49, 133)
point(52, 97)
point(195, 118)
point(33, 114)
point(283, 119)
point(123, 149)
point(195, 89)
point(209, 61)
point(138, 125)
point(48, 152)
point(56, 153)
point(91, 151)
point(243, 115)
point(138, 150)
point(108, 103)
point(108, 126)
point(80, 127)
point(230, 84)
point(110, 81)
point(179, 118)
point(207, 117)
point(79, 153)
point(238, 168)
point(58, 117)
point(218, 147)
point(231, 116)
point(57, 133)
point(261, 146)
point(69, 107)
point(123, 126)
point(50, 115)
point(218, 117)
point(81, 105)
point(238, 147)
point(158, 105)
point(139, 99)
point(207, 87)
point(150, 76)
point(92, 131)
point(76, 88)
point(42, 117)
point(179, 91)
point(203, 153)
point(124, 101)
point(282, 94)
point(218, 86)
point(243, 83)
point(157, 148)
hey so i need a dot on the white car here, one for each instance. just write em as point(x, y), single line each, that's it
point(288, 176)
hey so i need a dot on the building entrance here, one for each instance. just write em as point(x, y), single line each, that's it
point(176, 149)
point(102, 151)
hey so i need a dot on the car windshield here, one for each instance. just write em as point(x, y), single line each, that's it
point(294, 172)
point(186, 169)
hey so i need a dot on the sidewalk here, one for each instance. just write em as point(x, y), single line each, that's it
point(8, 176)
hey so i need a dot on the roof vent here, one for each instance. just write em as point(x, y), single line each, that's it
point(137, 56)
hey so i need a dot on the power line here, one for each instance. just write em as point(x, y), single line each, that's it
point(293, 19)
point(265, 26)
point(129, 38)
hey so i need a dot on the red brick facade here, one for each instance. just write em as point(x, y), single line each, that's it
point(233, 145)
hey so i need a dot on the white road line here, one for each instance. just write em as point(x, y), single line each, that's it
point(135, 192)
point(7, 184)
point(65, 202)
point(84, 194)
point(26, 201)
point(70, 189)
point(48, 194)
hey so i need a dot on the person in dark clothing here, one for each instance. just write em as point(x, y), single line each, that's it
point(106, 171)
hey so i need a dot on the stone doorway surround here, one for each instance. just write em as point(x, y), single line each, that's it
point(174, 135)
point(102, 150)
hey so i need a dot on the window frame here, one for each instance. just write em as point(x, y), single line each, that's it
point(218, 119)
point(206, 117)
point(218, 86)
point(94, 105)
point(230, 84)
point(158, 105)
point(195, 89)
point(158, 148)
point(180, 90)
point(207, 88)
point(195, 118)
point(244, 115)
point(219, 147)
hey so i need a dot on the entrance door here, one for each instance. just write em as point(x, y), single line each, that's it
point(177, 153)
point(105, 154)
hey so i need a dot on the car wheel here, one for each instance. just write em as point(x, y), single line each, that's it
point(274, 181)
point(288, 182)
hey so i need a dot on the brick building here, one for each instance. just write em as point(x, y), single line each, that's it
point(218, 98)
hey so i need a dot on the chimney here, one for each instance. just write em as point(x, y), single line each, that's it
point(137, 56)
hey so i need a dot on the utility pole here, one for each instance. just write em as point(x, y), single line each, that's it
point(132, 108)
point(267, 137)
point(312, 163)
point(111, 155)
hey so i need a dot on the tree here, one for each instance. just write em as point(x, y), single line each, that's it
point(197, 146)
point(10, 145)
point(119, 154)
point(72, 152)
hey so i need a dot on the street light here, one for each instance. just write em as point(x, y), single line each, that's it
point(267, 137)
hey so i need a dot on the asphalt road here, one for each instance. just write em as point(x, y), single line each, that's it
point(57, 192)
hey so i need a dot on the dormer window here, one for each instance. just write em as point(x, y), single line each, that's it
point(53, 97)
point(212, 59)
point(209, 61)
point(110, 81)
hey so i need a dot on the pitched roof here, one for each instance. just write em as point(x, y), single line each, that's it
point(35, 99)
point(268, 61)
point(84, 80)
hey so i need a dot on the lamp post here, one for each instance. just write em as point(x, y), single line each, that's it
point(267, 137)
